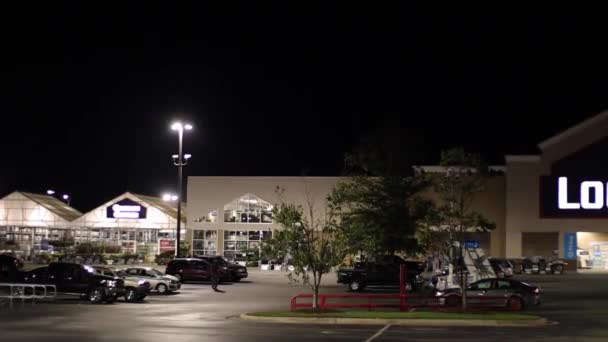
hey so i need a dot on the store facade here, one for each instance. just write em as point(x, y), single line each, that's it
point(552, 204)
point(139, 224)
point(29, 221)
point(557, 200)
point(228, 215)
point(231, 215)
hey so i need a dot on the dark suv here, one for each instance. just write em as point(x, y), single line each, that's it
point(77, 280)
point(189, 269)
point(232, 272)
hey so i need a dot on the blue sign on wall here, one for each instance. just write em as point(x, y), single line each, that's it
point(570, 246)
point(471, 244)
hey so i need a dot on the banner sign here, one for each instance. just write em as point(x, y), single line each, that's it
point(127, 209)
point(570, 246)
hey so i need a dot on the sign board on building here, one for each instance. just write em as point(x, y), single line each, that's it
point(127, 209)
point(570, 246)
point(573, 197)
point(165, 245)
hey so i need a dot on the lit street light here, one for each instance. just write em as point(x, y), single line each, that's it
point(50, 192)
point(180, 160)
point(169, 197)
point(66, 198)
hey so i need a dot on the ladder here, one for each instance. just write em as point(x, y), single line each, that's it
point(477, 264)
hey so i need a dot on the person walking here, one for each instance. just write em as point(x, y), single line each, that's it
point(215, 276)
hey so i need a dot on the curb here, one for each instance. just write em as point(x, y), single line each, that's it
point(402, 322)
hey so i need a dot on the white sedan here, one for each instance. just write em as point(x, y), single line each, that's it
point(162, 283)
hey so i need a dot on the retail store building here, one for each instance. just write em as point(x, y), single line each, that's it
point(552, 204)
point(28, 221)
point(558, 199)
point(139, 224)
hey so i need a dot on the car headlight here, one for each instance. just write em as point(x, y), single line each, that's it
point(141, 282)
point(438, 293)
point(225, 268)
point(108, 283)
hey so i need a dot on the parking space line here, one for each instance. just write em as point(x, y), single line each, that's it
point(378, 333)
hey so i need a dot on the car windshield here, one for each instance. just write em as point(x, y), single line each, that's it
point(155, 272)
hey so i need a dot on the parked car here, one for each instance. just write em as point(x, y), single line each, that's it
point(191, 269)
point(232, 272)
point(382, 274)
point(77, 280)
point(162, 283)
point(502, 267)
point(494, 292)
point(135, 289)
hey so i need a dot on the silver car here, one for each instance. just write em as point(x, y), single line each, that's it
point(162, 283)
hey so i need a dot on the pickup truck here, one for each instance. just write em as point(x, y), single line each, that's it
point(383, 274)
point(69, 279)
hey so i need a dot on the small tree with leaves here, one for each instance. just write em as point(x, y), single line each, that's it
point(449, 221)
point(380, 215)
point(310, 241)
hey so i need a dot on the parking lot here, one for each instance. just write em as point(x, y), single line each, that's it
point(579, 302)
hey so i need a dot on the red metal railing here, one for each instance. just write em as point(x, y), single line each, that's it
point(371, 301)
point(406, 301)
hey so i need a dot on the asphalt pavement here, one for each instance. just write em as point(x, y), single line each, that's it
point(578, 302)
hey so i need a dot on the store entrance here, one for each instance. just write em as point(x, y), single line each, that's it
point(592, 251)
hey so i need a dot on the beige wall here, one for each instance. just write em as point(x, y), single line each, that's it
point(206, 194)
point(491, 203)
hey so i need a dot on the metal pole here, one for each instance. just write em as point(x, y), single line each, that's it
point(179, 191)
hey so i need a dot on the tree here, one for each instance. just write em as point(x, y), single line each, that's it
point(447, 223)
point(379, 202)
point(380, 215)
point(310, 241)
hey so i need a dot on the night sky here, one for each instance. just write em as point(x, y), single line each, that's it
point(279, 88)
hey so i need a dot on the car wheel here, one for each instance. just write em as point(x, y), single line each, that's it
point(161, 288)
point(236, 279)
point(96, 295)
point(452, 301)
point(110, 300)
point(515, 303)
point(130, 295)
point(355, 286)
point(141, 297)
point(558, 269)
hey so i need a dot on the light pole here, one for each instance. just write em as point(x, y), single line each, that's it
point(179, 160)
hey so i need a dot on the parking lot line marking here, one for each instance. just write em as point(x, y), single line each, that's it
point(378, 333)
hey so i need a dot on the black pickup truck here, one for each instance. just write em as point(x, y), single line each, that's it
point(381, 274)
point(69, 279)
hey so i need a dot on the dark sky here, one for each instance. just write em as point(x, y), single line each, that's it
point(277, 88)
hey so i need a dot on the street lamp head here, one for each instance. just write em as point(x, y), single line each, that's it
point(169, 197)
point(50, 192)
point(187, 127)
point(187, 156)
point(175, 156)
point(65, 197)
point(177, 126)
